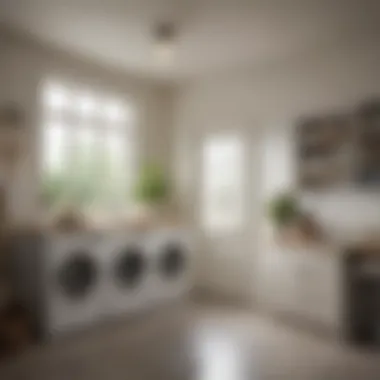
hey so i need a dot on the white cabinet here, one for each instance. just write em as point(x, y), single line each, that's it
point(307, 284)
point(318, 287)
point(277, 281)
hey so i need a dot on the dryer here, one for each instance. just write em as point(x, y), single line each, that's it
point(170, 250)
point(59, 279)
point(128, 284)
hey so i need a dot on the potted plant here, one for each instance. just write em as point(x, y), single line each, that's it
point(293, 225)
point(152, 191)
point(284, 212)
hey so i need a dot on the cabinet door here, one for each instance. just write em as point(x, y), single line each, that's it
point(287, 285)
point(280, 282)
point(328, 293)
point(318, 288)
point(305, 279)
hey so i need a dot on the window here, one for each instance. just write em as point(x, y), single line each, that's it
point(222, 183)
point(88, 155)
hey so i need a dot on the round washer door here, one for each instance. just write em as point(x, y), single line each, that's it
point(129, 267)
point(78, 275)
point(172, 260)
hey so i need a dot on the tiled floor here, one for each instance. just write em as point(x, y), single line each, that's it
point(193, 342)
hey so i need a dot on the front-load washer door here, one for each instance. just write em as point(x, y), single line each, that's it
point(172, 261)
point(78, 276)
point(129, 267)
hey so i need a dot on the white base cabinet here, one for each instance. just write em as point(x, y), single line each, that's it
point(304, 283)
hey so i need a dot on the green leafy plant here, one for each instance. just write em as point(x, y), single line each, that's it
point(284, 209)
point(62, 187)
point(79, 184)
point(152, 186)
point(53, 188)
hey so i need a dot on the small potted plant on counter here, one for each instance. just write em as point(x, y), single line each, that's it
point(152, 193)
point(292, 225)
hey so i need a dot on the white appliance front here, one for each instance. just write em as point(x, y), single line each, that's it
point(73, 281)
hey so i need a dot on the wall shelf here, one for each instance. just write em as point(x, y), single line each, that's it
point(340, 150)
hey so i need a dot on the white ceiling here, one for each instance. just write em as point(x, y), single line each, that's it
point(213, 34)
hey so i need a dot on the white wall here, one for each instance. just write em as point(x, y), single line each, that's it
point(264, 103)
point(24, 65)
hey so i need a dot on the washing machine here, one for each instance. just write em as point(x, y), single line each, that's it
point(59, 279)
point(170, 250)
point(128, 285)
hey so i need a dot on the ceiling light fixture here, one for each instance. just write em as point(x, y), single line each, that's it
point(165, 36)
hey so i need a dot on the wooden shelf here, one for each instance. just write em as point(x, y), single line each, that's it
point(345, 149)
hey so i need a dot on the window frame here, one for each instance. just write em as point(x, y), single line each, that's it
point(127, 128)
point(226, 230)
